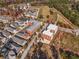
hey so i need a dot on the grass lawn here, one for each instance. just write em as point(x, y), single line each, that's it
point(74, 57)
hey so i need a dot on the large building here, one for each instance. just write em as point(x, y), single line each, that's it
point(34, 26)
point(31, 26)
point(49, 33)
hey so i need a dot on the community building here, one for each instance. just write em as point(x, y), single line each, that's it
point(35, 25)
point(48, 33)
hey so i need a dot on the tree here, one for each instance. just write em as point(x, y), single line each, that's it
point(50, 3)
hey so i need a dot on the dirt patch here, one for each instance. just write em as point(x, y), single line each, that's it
point(70, 42)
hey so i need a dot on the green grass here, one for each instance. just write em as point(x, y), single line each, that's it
point(64, 55)
point(75, 57)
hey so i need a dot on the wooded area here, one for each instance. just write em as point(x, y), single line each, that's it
point(66, 8)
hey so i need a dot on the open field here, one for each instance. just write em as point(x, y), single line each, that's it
point(70, 42)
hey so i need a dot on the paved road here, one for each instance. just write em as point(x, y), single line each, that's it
point(71, 31)
point(28, 48)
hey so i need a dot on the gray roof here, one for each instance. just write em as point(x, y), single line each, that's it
point(35, 26)
point(10, 29)
point(23, 35)
point(20, 34)
point(19, 41)
point(15, 47)
point(6, 33)
point(5, 18)
point(17, 24)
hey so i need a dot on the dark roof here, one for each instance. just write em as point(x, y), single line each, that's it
point(19, 40)
point(16, 47)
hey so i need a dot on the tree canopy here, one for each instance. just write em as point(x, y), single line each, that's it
point(64, 7)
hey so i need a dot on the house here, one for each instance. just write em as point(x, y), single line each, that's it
point(23, 35)
point(22, 6)
point(11, 30)
point(19, 40)
point(18, 25)
point(32, 12)
point(14, 25)
point(5, 19)
point(10, 45)
point(48, 34)
point(6, 33)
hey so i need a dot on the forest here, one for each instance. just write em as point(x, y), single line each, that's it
point(68, 8)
